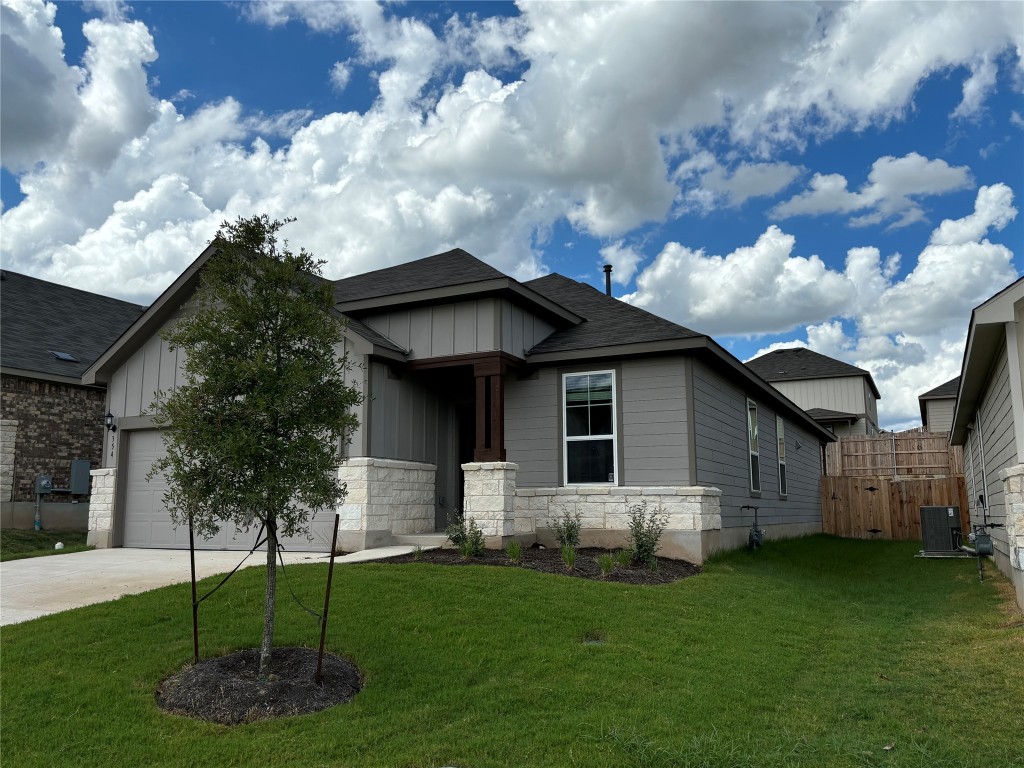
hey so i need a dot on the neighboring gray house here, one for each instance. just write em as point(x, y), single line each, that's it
point(840, 397)
point(937, 406)
point(510, 401)
point(49, 335)
point(989, 423)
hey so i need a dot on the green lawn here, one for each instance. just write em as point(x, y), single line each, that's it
point(16, 544)
point(818, 652)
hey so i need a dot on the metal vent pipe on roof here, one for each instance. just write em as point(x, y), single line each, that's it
point(608, 279)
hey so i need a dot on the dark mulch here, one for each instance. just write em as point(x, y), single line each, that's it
point(227, 690)
point(550, 561)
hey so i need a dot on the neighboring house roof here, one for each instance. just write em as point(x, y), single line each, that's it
point(800, 364)
point(53, 331)
point(986, 335)
point(825, 415)
point(607, 321)
point(945, 391)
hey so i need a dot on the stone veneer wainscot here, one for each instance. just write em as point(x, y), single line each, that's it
point(385, 497)
point(101, 508)
point(1013, 501)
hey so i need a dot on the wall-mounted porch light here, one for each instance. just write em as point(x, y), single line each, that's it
point(109, 422)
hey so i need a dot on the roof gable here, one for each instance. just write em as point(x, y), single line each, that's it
point(443, 270)
point(947, 390)
point(801, 363)
point(39, 319)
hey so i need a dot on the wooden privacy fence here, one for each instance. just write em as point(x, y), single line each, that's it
point(894, 455)
point(850, 508)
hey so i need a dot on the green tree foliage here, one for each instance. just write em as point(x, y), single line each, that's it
point(254, 434)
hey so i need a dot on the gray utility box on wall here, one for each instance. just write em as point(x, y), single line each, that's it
point(940, 528)
point(80, 476)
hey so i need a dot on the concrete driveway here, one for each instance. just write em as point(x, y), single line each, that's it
point(39, 586)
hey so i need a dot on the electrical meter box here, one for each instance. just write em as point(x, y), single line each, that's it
point(940, 528)
point(44, 484)
point(80, 469)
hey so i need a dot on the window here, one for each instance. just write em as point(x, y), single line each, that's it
point(780, 431)
point(755, 460)
point(589, 423)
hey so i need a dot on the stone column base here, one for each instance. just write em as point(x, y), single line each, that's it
point(489, 498)
point(101, 507)
point(1013, 503)
point(385, 497)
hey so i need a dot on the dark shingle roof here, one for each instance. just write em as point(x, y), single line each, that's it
point(371, 335)
point(455, 267)
point(37, 318)
point(801, 363)
point(947, 390)
point(824, 414)
point(607, 321)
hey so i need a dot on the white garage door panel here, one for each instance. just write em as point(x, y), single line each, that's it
point(148, 523)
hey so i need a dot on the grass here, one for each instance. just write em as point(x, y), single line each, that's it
point(819, 652)
point(16, 545)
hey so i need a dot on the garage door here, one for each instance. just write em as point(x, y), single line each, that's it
point(148, 523)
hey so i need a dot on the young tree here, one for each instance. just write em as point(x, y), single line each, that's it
point(254, 435)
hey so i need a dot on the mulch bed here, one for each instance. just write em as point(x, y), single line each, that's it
point(227, 690)
point(550, 561)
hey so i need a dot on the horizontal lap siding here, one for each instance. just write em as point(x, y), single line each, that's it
point(532, 432)
point(997, 448)
point(655, 430)
point(720, 417)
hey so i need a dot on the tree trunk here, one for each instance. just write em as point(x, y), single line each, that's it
point(270, 600)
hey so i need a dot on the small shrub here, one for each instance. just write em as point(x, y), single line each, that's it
point(473, 544)
point(417, 552)
point(645, 529)
point(566, 527)
point(514, 550)
point(652, 564)
point(624, 557)
point(606, 562)
point(456, 530)
point(569, 557)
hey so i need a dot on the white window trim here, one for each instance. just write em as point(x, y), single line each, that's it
point(751, 453)
point(614, 435)
point(780, 437)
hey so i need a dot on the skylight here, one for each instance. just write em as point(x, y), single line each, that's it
point(67, 357)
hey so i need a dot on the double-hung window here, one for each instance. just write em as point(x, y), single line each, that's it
point(589, 422)
point(755, 459)
point(780, 432)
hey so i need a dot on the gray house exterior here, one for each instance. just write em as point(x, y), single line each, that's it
point(510, 401)
point(841, 397)
point(989, 423)
point(937, 406)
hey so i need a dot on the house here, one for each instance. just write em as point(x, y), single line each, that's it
point(937, 406)
point(49, 335)
point(840, 397)
point(989, 422)
point(510, 401)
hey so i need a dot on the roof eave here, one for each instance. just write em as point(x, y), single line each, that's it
point(44, 376)
point(618, 350)
point(148, 323)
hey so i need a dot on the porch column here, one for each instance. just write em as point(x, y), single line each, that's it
point(490, 411)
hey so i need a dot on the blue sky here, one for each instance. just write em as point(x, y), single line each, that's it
point(841, 176)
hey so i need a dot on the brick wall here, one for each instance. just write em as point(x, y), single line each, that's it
point(56, 423)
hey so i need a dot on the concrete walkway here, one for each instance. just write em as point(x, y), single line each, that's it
point(39, 586)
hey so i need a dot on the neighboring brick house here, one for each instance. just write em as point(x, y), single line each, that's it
point(840, 397)
point(49, 335)
point(937, 406)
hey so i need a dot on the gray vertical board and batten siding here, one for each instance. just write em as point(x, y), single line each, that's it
point(404, 417)
point(994, 449)
point(723, 458)
point(653, 438)
point(461, 328)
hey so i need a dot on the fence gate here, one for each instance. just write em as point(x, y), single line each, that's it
point(854, 506)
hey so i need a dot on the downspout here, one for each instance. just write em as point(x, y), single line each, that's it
point(983, 496)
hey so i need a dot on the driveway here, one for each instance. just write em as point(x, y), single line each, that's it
point(39, 586)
